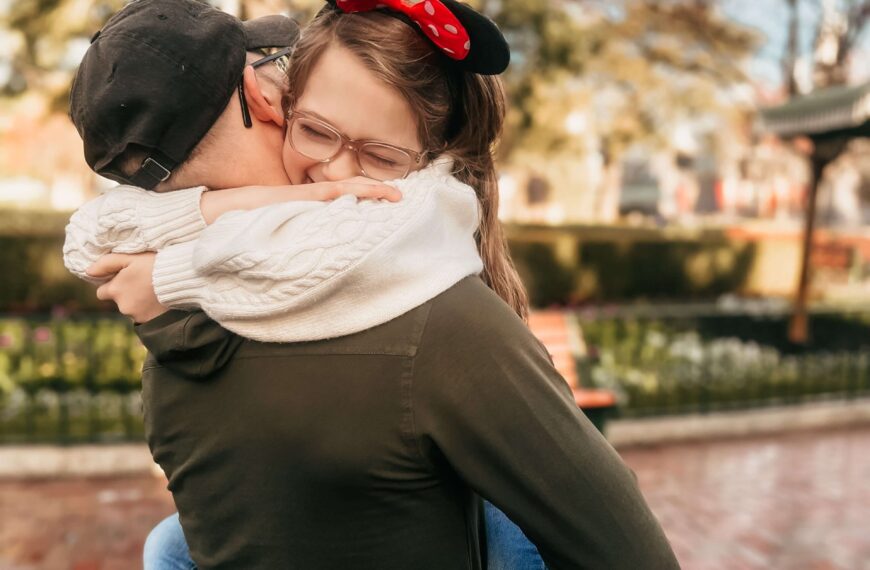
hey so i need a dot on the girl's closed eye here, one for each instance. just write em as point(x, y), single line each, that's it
point(315, 133)
point(383, 161)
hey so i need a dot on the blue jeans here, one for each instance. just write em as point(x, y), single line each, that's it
point(166, 547)
point(507, 546)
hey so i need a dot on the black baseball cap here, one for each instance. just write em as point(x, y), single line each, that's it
point(157, 77)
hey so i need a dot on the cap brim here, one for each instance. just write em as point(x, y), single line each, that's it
point(270, 31)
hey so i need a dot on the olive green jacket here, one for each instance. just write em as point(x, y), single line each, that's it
point(371, 451)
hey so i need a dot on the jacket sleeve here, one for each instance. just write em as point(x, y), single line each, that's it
point(128, 219)
point(486, 398)
point(308, 270)
point(188, 343)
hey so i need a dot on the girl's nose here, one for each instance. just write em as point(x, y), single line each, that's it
point(344, 165)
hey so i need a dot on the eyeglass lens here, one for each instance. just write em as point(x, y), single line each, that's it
point(319, 142)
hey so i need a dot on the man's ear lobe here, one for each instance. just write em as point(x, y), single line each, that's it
point(266, 107)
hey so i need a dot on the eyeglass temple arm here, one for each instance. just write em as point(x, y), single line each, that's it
point(277, 55)
point(246, 114)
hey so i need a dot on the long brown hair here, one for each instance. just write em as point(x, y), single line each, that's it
point(458, 113)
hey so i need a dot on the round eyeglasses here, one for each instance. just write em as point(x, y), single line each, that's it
point(318, 140)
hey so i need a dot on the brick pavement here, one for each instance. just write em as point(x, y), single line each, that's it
point(799, 501)
point(79, 524)
point(788, 502)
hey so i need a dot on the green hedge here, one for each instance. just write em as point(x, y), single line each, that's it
point(664, 269)
point(547, 280)
point(558, 265)
point(613, 264)
point(34, 278)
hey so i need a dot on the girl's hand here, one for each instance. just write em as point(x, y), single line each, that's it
point(359, 186)
point(218, 202)
point(130, 286)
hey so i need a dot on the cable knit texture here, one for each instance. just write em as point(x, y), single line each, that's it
point(128, 219)
point(294, 271)
point(312, 270)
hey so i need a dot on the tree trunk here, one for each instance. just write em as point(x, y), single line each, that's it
point(789, 58)
point(609, 192)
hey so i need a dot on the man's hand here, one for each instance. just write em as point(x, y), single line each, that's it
point(131, 287)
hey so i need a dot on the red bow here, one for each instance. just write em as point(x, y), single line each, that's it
point(436, 21)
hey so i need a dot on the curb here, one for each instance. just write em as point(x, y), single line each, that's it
point(55, 461)
point(736, 424)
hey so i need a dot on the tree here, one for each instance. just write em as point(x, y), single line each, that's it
point(634, 67)
point(637, 67)
point(838, 33)
point(52, 34)
point(47, 33)
point(790, 55)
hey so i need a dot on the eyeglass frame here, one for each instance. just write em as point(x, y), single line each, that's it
point(246, 113)
point(349, 143)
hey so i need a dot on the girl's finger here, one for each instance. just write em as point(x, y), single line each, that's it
point(377, 192)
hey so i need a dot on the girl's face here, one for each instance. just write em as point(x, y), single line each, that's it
point(344, 94)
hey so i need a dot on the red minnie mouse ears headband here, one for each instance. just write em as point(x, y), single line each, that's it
point(467, 37)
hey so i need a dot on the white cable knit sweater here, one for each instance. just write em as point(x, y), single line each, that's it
point(293, 271)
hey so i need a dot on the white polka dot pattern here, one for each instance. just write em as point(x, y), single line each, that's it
point(432, 16)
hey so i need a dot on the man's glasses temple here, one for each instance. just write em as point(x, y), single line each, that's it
point(246, 114)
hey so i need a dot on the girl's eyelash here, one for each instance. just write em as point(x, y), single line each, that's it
point(314, 131)
point(384, 161)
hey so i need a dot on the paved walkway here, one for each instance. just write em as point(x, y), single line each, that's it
point(792, 502)
point(79, 524)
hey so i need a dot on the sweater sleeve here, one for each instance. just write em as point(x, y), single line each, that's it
point(487, 400)
point(310, 270)
point(128, 219)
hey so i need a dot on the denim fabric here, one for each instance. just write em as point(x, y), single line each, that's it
point(165, 547)
point(507, 546)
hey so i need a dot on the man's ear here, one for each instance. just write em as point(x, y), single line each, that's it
point(265, 106)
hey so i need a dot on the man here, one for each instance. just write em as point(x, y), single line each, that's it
point(163, 100)
point(355, 451)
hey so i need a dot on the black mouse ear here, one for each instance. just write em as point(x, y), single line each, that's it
point(489, 53)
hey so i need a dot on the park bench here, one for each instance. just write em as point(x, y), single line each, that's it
point(599, 405)
point(565, 344)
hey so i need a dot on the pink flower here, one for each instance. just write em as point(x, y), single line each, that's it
point(42, 334)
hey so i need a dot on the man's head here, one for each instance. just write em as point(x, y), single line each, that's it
point(158, 92)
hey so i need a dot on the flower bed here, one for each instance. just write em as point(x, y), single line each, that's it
point(78, 379)
point(71, 379)
point(677, 366)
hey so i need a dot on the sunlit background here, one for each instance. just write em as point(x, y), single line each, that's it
point(686, 190)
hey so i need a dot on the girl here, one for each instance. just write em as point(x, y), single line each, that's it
point(583, 508)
